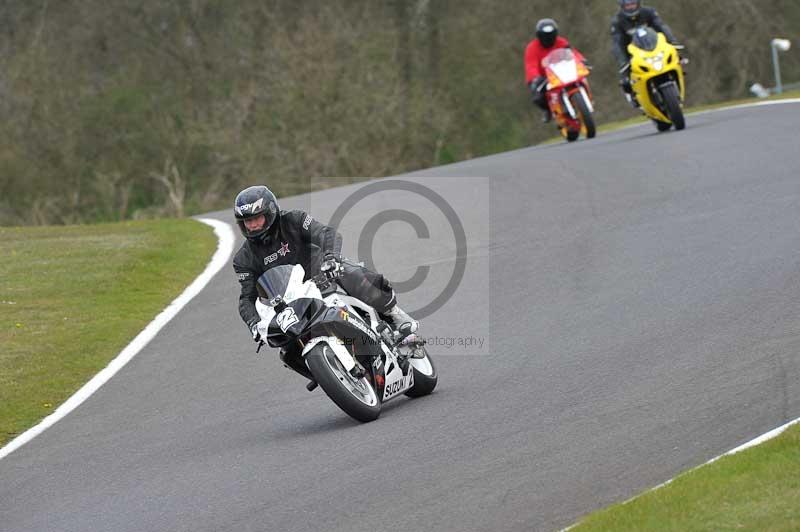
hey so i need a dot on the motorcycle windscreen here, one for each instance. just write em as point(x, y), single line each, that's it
point(560, 54)
point(274, 282)
point(561, 63)
point(645, 38)
point(285, 282)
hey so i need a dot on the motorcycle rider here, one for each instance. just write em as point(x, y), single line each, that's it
point(274, 237)
point(630, 15)
point(547, 39)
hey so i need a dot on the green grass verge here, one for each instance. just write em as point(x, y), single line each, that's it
point(71, 298)
point(755, 489)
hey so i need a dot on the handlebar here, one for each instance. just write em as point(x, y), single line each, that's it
point(324, 279)
point(319, 278)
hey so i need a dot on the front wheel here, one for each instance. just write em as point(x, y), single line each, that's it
point(356, 397)
point(571, 134)
point(662, 126)
point(425, 377)
point(586, 116)
point(672, 102)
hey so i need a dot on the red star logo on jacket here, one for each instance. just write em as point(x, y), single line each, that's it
point(284, 249)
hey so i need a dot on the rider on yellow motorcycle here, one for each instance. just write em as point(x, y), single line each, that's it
point(630, 15)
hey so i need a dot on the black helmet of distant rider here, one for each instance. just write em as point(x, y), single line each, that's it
point(547, 32)
point(252, 202)
point(630, 8)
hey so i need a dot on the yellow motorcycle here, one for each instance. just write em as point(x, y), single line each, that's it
point(656, 74)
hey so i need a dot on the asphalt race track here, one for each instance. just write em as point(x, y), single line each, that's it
point(637, 298)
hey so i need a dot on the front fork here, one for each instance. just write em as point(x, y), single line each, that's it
point(566, 103)
point(655, 90)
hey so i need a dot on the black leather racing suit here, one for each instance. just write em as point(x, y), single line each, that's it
point(621, 25)
point(296, 238)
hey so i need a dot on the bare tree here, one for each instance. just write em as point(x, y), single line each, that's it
point(175, 184)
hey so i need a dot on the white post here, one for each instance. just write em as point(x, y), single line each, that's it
point(782, 45)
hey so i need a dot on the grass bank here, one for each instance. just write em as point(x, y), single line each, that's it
point(755, 489)
point(72, 297)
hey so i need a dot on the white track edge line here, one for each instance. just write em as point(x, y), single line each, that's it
point(554, 140)
point(745, 105)
point(225, 243)
point(719, 109)
point(752, 443)
point(774, 433)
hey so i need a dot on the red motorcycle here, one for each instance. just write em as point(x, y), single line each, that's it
point(568, 94)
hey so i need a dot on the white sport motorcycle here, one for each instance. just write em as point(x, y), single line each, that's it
point(340, 343)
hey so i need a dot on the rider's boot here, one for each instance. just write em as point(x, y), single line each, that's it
point(547, 116)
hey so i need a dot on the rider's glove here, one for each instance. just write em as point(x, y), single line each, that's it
point(331, 266)
point(682, 55)
point(259, 331)
point(538, 85)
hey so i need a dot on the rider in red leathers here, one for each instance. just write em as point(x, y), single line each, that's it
point(547, 40)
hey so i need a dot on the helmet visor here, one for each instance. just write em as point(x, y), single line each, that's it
point(630, 7)
point(547, 35)
point(253, 224)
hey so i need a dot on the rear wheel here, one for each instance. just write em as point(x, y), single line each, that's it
point(672, 102)
point(425, 377)
point(572, 135)
point(586, 117)
point(356, 397)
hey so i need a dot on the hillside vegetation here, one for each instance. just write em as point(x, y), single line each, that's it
point(114, 109)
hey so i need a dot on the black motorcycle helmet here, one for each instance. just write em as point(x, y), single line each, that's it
point(546, 32)
point(630, 8)
point(251, 202)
